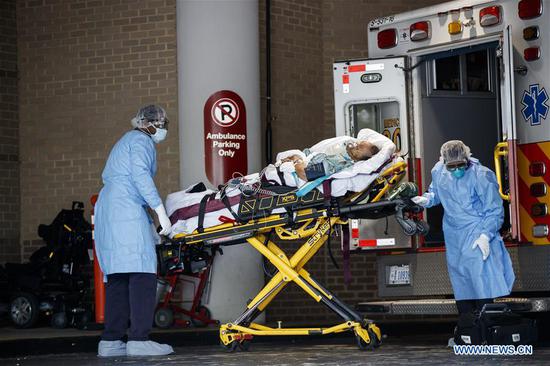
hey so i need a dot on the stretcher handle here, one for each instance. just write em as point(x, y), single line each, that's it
point(368, 206)
point(501, 150)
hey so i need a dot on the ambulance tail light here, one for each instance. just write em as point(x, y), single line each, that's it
point(531, 53)
point(489, 16)
point(420, 31)
point(538, 189)
point(531, 33)
point(539, 210)
point(537, 169)
point(540, 231)
point(387, 38)
point(529, 9)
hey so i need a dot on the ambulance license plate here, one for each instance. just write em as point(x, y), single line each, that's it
point(399, 275)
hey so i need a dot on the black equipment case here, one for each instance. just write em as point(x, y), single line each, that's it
point(496, 324)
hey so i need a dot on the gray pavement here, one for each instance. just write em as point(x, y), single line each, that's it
point(401, 351)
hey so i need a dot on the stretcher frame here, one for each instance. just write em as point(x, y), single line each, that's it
point(314, 225)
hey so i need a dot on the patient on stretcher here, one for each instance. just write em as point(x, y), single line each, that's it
point(352, 165)
point(330, 159)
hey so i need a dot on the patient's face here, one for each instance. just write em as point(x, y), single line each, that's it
point(362, 150)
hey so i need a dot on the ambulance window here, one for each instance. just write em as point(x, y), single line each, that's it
point(382, 117)
point(365, 115)
point(477, 71)
point(447, 73)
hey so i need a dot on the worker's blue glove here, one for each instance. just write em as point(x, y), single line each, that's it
point(483, 244)
point(164, 221)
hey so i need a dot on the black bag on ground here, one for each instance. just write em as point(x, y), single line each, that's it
point(502, 326)
point(468, 329)
point(496, 324)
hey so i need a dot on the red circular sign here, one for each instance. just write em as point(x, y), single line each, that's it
point(225, 112)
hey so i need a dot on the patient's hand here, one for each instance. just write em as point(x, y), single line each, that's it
point(300, 168)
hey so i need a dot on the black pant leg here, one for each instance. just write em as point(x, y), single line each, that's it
point(465, 306)
point(481, 302)
point(143, 297)
point(117, 307)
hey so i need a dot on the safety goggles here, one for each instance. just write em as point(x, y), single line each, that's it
point(162, 123)
point(454, 166)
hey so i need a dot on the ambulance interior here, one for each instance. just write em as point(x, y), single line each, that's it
point(459, 100)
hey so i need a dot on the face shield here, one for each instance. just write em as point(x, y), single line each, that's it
point(151, 115)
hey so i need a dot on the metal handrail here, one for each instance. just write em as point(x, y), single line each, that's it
point(501, 150)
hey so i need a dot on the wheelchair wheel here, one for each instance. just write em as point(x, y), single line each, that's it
point(59, 320)
point(24, 310)
point(164, 318)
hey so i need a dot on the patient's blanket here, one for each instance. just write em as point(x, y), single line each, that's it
point(183, 207)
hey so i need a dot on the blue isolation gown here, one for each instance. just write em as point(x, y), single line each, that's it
point(472, 206)
point(124, 238)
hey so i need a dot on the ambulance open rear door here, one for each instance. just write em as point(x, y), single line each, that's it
point(505, 155)
point(372, 93)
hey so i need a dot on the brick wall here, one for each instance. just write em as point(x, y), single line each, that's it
point(297, 64)
point(9, 130)
point(302, 54)
point(85, 68)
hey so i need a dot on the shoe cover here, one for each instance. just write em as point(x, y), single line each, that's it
point(111, 349)
point(451, 342)
point(148, 348)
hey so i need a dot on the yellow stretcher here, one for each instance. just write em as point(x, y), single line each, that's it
point(312, 224)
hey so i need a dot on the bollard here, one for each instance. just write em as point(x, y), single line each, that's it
point(99, 285)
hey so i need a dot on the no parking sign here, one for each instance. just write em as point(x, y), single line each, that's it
point(225, 150)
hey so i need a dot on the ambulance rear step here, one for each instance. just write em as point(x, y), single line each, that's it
point(446, 306)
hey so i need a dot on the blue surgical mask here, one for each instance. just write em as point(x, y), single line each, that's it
point(159, 135)
point(459, 172)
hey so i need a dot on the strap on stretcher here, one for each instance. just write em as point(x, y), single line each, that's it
point(309, 186)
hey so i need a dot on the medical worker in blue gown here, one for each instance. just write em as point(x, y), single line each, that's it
point(125, 239)
point(479, 265)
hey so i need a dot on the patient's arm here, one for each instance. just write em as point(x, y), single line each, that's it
point(301, 170)
point(299, 165)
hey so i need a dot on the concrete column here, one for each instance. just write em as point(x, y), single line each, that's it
point(218, 63)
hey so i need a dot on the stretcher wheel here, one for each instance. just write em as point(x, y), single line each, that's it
point(374, 341)
point(364, 345)
point(244, 345)
point(422, 227)
point(164, 318)
point(231, 347)
point(205, 313)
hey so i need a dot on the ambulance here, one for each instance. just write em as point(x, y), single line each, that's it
point(471, 70)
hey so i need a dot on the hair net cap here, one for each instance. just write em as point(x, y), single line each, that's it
point(455, 151)
point(147, 115)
